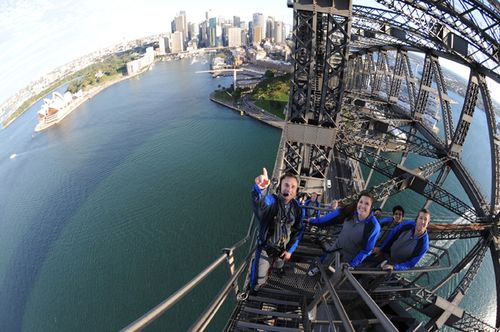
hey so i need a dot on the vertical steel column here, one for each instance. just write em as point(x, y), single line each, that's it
point(321, 35)
point(423, 92)
point(494, 145)
point(397, 76)
point(410, 81)
point(301, 57)
point(380, 70)
point(466, 115)
point(444, 100)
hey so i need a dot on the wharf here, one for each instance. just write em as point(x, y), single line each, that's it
point(248, 108)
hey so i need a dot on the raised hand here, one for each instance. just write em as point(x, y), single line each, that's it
point(262, 181)
point(286, 256)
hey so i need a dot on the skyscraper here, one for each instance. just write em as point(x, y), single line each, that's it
point(259, 27)
point(279, 32)
point(177, 42)
point(204, 41)
point(236, 21)
point(234, 35)
point(164, 45)
point(180, 25)
point(258, 35)
point(192, 31)
point(250, 32)
point(212, 31)
point(270, 28)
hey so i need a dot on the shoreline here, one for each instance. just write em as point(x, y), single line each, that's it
point(86, 96)
point(280, 124)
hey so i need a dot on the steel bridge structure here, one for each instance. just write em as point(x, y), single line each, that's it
point(356, 83)
point(366, 81)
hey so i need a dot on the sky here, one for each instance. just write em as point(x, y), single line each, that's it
point(37, 36)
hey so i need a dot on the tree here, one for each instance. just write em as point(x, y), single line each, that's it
point(269, 74)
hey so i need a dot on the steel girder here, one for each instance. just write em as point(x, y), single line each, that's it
point(466, 115)
point(302, 61)
point(420, 185)
point(494, 146)
point(475, 258)
point(321, 35)
point(405, 29)
point(421, 298)
point(335, 43)
point(457, 22)
point(432, 68)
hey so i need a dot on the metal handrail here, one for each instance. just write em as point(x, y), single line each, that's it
point(205, 318)
point(346, 322)
point(161, 308)
point(386, 323)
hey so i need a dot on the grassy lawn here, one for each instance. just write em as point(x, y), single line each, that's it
point(272, 94)
point(223, 96)
point(272, 106)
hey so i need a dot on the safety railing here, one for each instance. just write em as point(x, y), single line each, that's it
point(369, 281)
point(202, 322)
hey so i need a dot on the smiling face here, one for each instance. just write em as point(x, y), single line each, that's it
point(289, 186)
point(422, 222)
point(364, 207)
point(398, 216)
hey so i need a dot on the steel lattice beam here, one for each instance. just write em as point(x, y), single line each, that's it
point(421, 298)
point(424, 187)
point(412, 28)
point(438, 17)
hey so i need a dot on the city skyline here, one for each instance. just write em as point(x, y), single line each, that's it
point(39, 36)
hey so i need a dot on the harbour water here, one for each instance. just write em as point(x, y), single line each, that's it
point(107, 213)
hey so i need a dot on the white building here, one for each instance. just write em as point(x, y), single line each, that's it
point(234, 35)
point(177, 42)
point(164, 45)
point(279, 32)
point(133, 67)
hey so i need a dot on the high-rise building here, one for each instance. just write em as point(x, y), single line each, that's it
point(250, 31)
point(259, 21)
point(279, 32)
point(236, 21)
point(177, 42)
point(225, 33)
point(258, 34)
point(180, 25)
point(192, 31)
point(204, 41)
point(212, 31)
point(164, 45)
point(270, 28)
point(244, 37)
point(234, 35)
point(183, 14)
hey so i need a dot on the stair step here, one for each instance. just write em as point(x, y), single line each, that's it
point(273, 301)
point(272, 313)
point(265, 291)
point(265, 327)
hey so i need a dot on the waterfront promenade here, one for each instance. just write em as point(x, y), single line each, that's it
point(250, 109)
